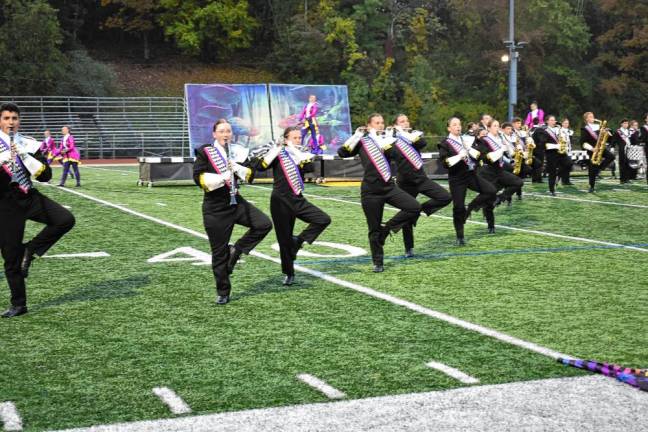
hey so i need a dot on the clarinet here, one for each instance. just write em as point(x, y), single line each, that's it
point(14, 153)
point(233, 185)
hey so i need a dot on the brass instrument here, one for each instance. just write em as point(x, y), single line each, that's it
point(530, 145)
point(562, 143)
point(601, 142)
point(517, 161)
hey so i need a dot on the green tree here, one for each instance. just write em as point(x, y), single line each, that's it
point(206, 28)
point(85, 77)
point(32, 62)
point(133, 16)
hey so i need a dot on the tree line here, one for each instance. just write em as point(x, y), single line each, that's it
point(430, 59)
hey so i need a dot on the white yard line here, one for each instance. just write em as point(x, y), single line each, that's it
point(586, 200)
point(9, 417)
point(506, 227)
point(80, 255)
point(359, 288)
point(452, 372)
point(172, 400)
point(112, 170)
point(592, 403)
point(321, 386)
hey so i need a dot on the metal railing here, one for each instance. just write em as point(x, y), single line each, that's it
point(110, 127)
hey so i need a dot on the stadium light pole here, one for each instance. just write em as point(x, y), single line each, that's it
point(513, 61)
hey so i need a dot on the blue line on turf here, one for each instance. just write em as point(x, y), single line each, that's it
point(474, 253)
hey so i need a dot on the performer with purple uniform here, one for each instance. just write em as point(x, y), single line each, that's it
point(70, 156)
point(287, 202)
point(48, 147)
point(309, 117)
point(19, 201)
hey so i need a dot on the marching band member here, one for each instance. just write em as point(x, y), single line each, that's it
point(559, 163)
point(287, 202)
point(48, 147)
point(589, 136)
point(378, 187)
point(223, 207)
point(566, 132)
point(411, 176)
point(19, 202)
point(621, 140)
point(309, 118)
point(462, 161)
point(484, 120)
point(492, 147)
point(642, 140)
point(70, 155)
point(538, 153)
point(514, 145)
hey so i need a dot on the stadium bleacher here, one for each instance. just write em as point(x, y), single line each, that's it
point(111, 127)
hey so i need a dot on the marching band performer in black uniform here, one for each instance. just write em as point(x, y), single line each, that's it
point(287, 202)
point(20, 201)
point(538, 154)
point(558, 163)
point(566, 132)
point(411, 176)
point(492, 147)
point(378, 187)
point(223, 207)
point(621, 139)
point(462, 160)
point(589, 136)
point(526, 140)
point(641, 138)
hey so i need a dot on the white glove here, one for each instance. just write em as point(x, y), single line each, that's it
point(588, 146)
point(241, 172)
point(552, 146)
point(5, 157)
point(454, 160)
point(299, 156)
point(211, 181)
point(474, 153)
point(354, 139)
point(33, 165)
point(495, 155)
point(270, 156)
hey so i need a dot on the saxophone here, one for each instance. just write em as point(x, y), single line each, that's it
point(599, 148)
point(517, 161)
point(530, 145)
point(562, 143)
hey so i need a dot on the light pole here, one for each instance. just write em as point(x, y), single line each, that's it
point(513, 60)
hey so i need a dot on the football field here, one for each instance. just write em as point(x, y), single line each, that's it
point(124, 304)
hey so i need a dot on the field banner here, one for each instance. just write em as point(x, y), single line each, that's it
point(245, 106)
point(287, 102)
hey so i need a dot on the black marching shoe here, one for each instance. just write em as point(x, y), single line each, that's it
point(378, 268)
point(409, 253)
point(498, 200)
point(25, 262)
point(460, 241)
point(222, 300)
point(591, 190)
point(234, 255)
point(289, 280)
point(519, 197)
point(297, 243)
point(491, 230)
point(552, 193)
point(14, 311)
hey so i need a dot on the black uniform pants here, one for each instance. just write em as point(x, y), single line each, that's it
point(439, 198)
point(485, 198)
point(557, 165)
point(626, 173)
point(594, 170)
point(373, 205)
point(219, 220)
point(285, 210)
point(14, 213)
point(502, 179)
point(538, 165)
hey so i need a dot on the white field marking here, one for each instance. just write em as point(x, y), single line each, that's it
point(542, 233)
point(172, 400)
point(321, 386)
point(114, 170)
point(67, 207)
point(359, 288)
point(190, 254)
point(352, 251)
point(161, 204)
point(587, 201)
point(9, 417)
point(79, 255)
point(452, 372)
point(592, 402)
